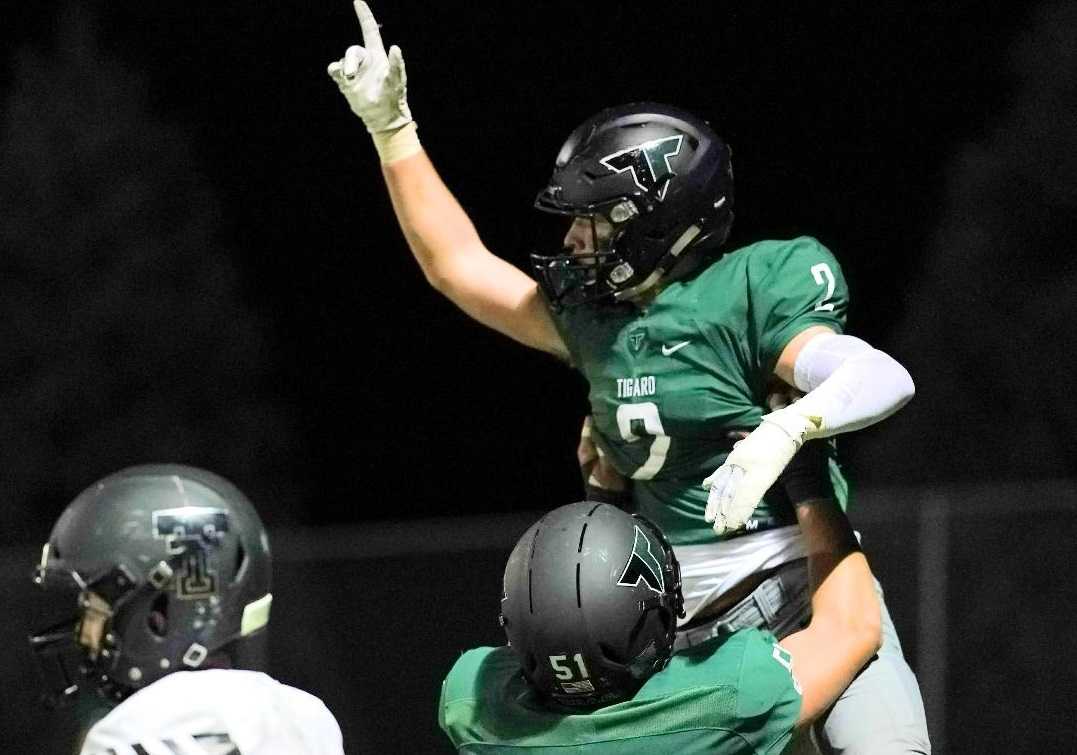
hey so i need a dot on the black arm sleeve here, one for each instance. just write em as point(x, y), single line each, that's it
point(807, 476)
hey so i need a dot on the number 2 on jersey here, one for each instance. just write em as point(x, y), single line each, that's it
point(647, 413)
point(823, 274)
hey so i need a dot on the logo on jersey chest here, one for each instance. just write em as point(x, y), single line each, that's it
point(636, 386)
point(636, 339)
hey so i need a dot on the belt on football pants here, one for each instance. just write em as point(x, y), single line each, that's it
point(779, 603)
point(761, 524)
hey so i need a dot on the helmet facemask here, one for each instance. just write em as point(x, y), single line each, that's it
point(571, 277)
point(81, 646)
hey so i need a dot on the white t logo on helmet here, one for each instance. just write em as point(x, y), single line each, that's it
point(649, 162)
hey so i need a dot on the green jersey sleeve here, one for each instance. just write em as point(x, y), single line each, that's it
point(769, 697)
point(792, 285)
point(462, 691)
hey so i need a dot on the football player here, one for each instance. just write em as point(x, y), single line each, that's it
point(590, 605)
point(681, 342)
point(165, 574)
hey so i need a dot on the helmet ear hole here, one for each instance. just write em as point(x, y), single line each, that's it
point(157, 620)
point(612, 655)
point(639, 630)
point(668, 621)
point(240, 565)
point(530, 665)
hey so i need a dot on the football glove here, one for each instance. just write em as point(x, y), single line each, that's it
point(374, 83)
point(754, 465)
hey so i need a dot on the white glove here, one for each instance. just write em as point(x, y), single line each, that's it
point(375, 84)
point(753, 466)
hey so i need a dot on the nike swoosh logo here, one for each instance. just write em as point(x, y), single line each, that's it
point(670, 350)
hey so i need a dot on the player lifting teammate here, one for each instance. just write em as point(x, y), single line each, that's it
point(681, 341)
point(590, 605)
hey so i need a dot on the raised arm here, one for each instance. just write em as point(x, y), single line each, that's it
point(458, 264)
point(845, 629)
point(438, 231)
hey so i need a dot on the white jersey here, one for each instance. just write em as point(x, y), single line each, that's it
point(216, 712)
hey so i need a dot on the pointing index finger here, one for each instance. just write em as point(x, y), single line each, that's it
point(369, 27)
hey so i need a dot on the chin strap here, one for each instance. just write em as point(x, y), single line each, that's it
point(667, 262)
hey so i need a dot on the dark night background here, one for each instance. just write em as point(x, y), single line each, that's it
point(198, 263)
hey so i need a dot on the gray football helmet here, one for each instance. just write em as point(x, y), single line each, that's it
point(590, 604)
point(166, 567)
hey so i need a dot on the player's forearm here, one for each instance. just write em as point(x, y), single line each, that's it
point(374, 83)
point(848, 384)
point(843, 635)
point(457, 263)
point(843, 588)
point(846, 601)
point(845, 629)
point(437, 229)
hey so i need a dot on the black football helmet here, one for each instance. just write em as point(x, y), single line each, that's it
point(660, 176)
point(590, 604)
point(164, 568)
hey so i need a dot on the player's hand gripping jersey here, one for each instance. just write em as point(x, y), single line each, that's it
point(670, 383)
point(217, 712)
point(734, 694)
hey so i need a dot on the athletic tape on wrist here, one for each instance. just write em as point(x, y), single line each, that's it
point(397, 144)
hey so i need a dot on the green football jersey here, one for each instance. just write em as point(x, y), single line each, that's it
point(669, 383)
point(733, 694)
